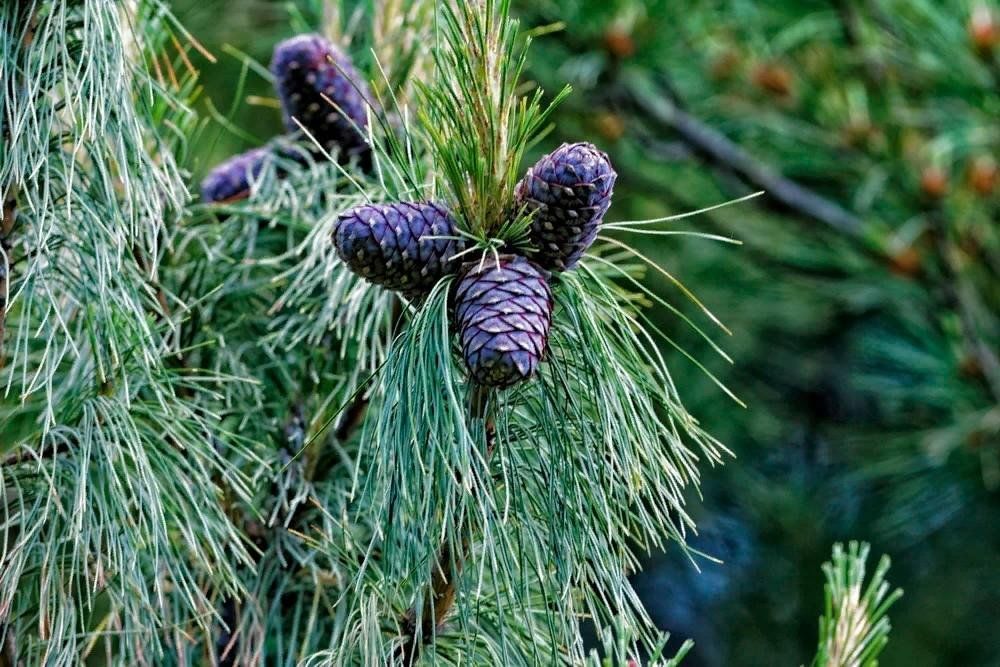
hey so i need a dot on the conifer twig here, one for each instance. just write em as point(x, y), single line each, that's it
point(443, 588)
point(719, 149)
point(851, 24)
point(854, 627)
point(956, 301)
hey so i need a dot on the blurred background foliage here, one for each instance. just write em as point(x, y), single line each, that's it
point(864, 301)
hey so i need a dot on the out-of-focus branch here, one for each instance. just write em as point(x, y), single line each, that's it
point(657, 105)
point(716, 148)
point(851, 23)
point(957, 300)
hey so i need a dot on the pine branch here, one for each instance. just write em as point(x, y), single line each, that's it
point(593, 467)
point(851, 25)
point(720, 150)
point(854, 627)
point(443, 588)
point(956, 300)
point(93, 179)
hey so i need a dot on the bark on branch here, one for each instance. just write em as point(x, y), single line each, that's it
point(6, 261)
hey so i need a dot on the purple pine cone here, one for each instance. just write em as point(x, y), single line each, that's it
point(306, 68)
point(230, 181)
point(502, 313)
point(568, 192)
point(399, 246)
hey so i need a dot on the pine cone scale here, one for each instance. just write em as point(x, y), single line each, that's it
point(310, 73)
point(503, 311)
point(393, 245)
point(230, 181)
point(567, 192)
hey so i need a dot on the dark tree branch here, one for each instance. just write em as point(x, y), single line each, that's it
point(8, 649)
point(853, 29)
point(440, 598)
point(724, 153)
point(353, 417)
point(447, 570)
point(762, 256)
point(161, 295)
point(850, 22)
point(6, 261)
point(354, 414)
point(716, 148)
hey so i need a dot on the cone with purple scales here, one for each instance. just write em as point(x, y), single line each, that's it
point(502, 311)
point(230, 181)
point(405, 247)
point(567, 193)
point(319, 88)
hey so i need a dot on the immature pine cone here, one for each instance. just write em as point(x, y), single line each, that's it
point(568, 191)
point(398, 246)
point(308, 67)
point(502, 313)
point(230, 181)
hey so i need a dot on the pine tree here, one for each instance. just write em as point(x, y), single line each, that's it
point(871, 260)
point(225, 443)
point(113, 530)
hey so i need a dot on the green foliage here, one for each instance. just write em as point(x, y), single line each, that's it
point(616, 652)
point(866, 336)
point(540, 497)
point(863, 113)
point(854, 627)
point(221, 447)
point(477, 120)
point(110, 513)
